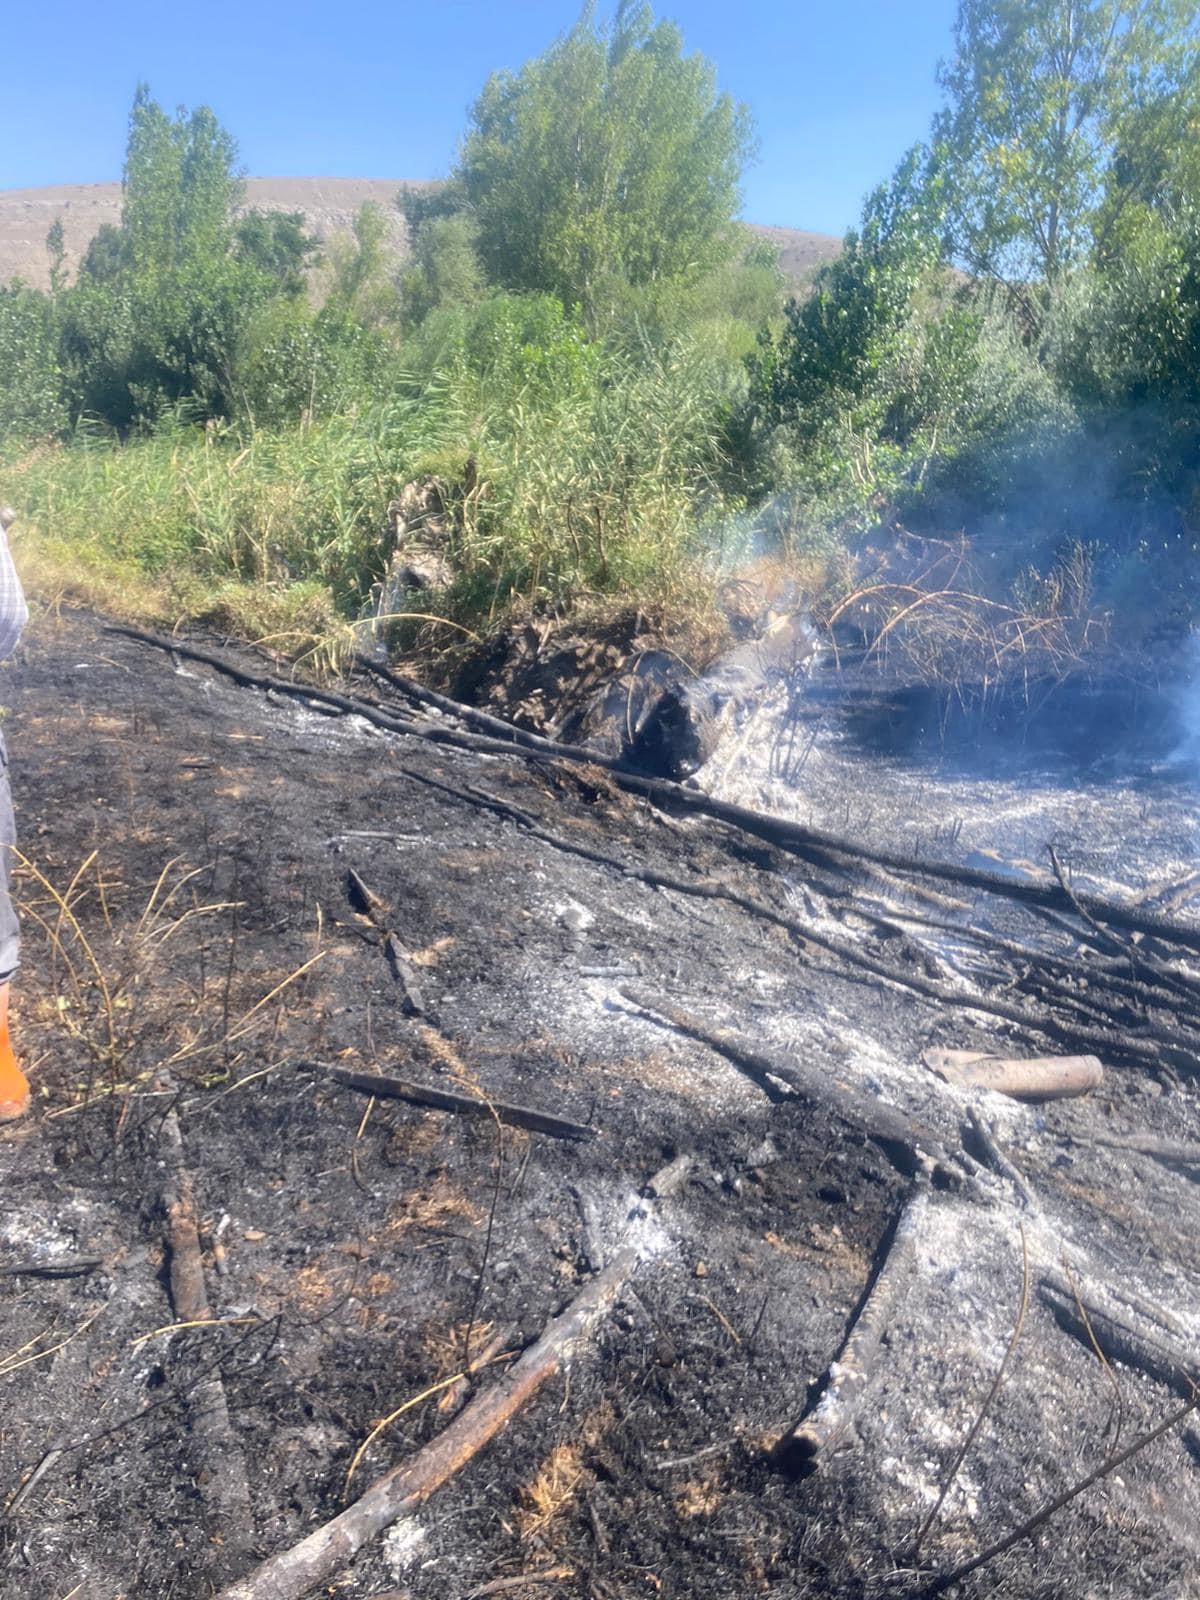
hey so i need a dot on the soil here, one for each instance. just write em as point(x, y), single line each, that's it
point(192, 949)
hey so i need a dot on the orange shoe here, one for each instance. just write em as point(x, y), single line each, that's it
point(14, 1087)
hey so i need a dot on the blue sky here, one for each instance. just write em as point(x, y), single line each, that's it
point(352, 88)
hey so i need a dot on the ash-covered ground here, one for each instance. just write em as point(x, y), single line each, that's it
point(194, 961)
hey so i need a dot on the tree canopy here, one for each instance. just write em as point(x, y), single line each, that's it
point(1059, 113)
point(610, 159)
point(163, 302)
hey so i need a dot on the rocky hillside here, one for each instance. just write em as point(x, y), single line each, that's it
point(329, 205)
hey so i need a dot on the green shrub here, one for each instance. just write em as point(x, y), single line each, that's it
point(30, 382)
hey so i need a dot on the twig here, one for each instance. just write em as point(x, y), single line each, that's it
point(998, 1161)
point(1170, 1152)
point(18, 1358)
point(1031, 1525)
point(490, 1352)
point(68, 1267)
point(1105, 1363)
point(1096, 1322)
point(519, 1581)
point(71, 1445)
point(673, 1463)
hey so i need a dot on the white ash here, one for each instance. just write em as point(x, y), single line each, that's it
point(403, 1545)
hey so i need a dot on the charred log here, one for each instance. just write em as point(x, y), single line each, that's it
point(849, 1377)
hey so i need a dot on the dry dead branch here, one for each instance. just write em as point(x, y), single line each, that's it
point(1171, 1152)
point(804, 1447)
point(314, 1560)
point(465, 1105)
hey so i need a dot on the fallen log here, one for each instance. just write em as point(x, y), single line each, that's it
point(315, 1560)
point(905, 1142)
point(219, 1465)
point(1138, 1336)
point(1020, 1078)
point(804, 1447)
point(466, 1105)
point(511, 740)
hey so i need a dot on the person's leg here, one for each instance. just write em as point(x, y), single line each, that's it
point(14, 1090)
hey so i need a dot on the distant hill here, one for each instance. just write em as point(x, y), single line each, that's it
point(328, 204)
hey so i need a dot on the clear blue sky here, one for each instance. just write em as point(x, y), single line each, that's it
point(363, 88)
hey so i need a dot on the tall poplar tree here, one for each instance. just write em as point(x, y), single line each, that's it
point(1058, 113)
point(612, 158)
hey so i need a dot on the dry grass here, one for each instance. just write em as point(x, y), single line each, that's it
point(940, 620)
point(125, 996)
point(431, 1209)
point(445, 1345)
point(701, 1497)
point(553, 1489)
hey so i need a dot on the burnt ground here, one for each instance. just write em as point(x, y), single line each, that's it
point(191, 949)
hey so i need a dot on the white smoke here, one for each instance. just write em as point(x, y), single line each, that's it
point(1187, 751)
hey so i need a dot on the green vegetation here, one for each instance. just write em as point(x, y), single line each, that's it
point(1060, 118)
point(610, 163)
point(596, 363)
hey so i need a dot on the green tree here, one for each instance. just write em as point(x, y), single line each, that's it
point(841, 343)
point(180, 188)
point(1057, 113)
point(30, 404)
point(363, 289)
point(161, 306)
point(609, 159)
point(106, 256)
point(445, 269)
point(56, 250)
point(275, 243)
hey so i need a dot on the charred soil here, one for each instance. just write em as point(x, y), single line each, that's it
point(199, 959)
